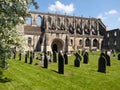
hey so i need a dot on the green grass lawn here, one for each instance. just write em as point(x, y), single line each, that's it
point(22, 76)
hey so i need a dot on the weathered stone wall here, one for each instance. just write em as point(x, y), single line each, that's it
point(67, 32)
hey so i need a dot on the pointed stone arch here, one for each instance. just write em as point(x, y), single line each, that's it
point(29, 20)
point(39, 20)
point(95, 43)
point(87, 42)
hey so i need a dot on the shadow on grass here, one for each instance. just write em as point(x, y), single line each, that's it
point(55, 71)
point(5, 80)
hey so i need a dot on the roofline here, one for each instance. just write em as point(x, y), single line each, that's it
point(62, 15)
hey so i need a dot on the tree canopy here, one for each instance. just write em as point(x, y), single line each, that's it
point(12, 13)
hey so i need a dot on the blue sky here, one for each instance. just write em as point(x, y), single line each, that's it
point(107, 10)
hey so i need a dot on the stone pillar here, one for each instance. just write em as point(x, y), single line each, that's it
point(99, 44)
point(67, 43)
point(83, 42)
point(42, 45)
point(91, 46)
point(34, 20)
point(48, 47)
point(97, 28)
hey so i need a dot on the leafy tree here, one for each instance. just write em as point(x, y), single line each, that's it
point(12, 13)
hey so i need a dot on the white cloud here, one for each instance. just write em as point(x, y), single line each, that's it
point(101, 16)
point(60, 7)
point(119, 19)
point(111, 12)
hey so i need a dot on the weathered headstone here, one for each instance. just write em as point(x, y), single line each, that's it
point(79, 57)
point(26, 56)
point(33, 54)
point(54, 57)
point(118, 56)
point(85, 58)
point(107, 59)
point(14, 53)
point(77, 60)
point(102, 63)
point(60, 63)
point(31, 58)
point(45, 61)
point(66, 58)
point(82, 52)
point(20, 56)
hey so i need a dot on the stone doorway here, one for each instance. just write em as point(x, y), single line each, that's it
point(57, 45)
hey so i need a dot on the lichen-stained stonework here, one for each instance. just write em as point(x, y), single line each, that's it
point(62, 32)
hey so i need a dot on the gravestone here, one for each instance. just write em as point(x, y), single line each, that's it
point(33, 54)
point(82, 52)
point(14, 53)
point(66, 58)
point(79, 51)
point(85, 58)
point(118, 56)
point(77, 60)
point(26, 56)
point(45, 61)
point(107, 59)
point(60, 63)
point(79, 57)
point(20, 56)
point(54, 57)
point(102, 63)
point(31, 58)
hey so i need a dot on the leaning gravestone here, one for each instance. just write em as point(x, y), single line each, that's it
point(79, 57)
point(45, 61)
point(60, 63)
point(54, 57)
point(85, 58)
point(77, 60)
point(118, 56)
point(107, 59)
point(102, 63)
point(66, 58)
point(31, 58)
point(26, 56)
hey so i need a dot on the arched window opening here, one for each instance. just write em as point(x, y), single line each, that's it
point(95, 43)
point(115, 34)
point(58, 21)
point(49, 21)
point(87, 42)
point(80, 42)
point(67, 22)
point(108, 35)
point(71, 42)
point(39, 20)
point(29, 41)
point(29, 20)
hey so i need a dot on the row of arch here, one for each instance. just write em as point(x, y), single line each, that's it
point(88, 42)
point(60, 22)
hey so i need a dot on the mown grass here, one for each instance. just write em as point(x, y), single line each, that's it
point(22, 76)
